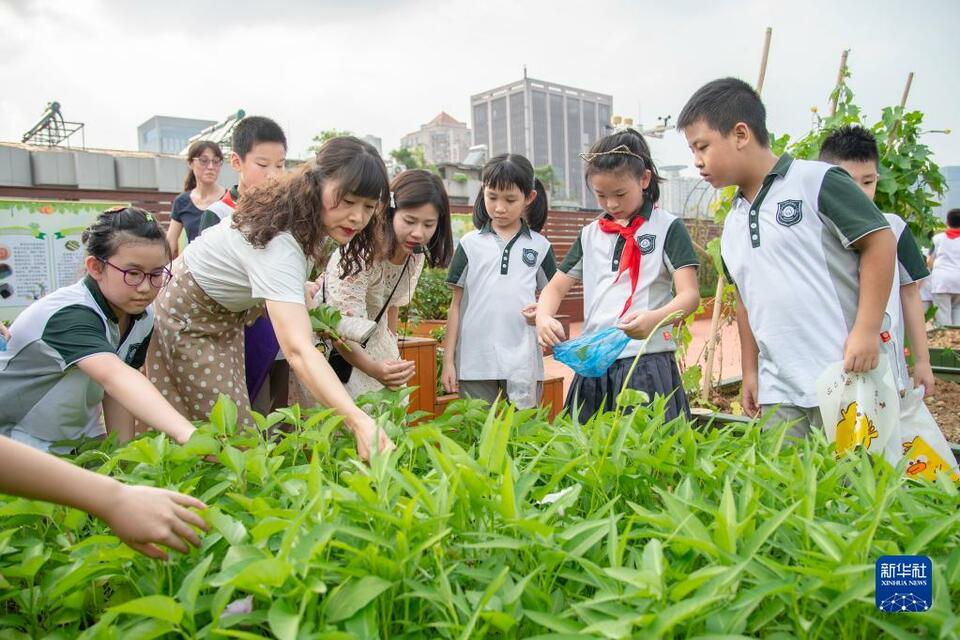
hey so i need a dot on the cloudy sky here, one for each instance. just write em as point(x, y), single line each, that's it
point(387, 67)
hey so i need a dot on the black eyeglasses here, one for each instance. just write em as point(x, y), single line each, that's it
point(135, 277)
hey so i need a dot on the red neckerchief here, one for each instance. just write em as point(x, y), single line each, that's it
point(953, 234)
point(631, 252)
point(228, 200)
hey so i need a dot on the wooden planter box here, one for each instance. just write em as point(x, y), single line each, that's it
point(422, 351)
point(552, 398)
point(422, 328)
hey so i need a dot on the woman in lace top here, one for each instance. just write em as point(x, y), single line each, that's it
point(417, 232)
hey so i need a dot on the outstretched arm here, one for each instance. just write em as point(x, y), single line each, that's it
point(133, 392)
point(295, 335)
point(142, 517)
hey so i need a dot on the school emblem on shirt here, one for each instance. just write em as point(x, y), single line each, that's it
point(530, 257)
point(789, 212)
point(646, 243)
point(131, 352)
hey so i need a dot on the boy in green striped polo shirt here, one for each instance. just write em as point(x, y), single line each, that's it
point(855, 150)
point(811, 256)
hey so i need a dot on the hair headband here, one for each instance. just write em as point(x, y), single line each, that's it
point(622, 150)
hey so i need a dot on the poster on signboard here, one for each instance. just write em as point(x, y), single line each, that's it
point(41, 248)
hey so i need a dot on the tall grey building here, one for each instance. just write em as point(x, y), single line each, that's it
point(166, 134)
point(444, 139)
point(549, 123)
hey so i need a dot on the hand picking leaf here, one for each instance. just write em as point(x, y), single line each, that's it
point(325, 319)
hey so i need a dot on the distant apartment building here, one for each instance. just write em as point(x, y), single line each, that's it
point(443, 139)
point(549, 123)
point(166, 134)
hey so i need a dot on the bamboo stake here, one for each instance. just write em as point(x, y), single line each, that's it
point(836, 96)
point(706, 384)
point(903, 103)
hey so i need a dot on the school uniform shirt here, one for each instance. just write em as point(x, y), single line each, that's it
point(498, 279)
point(240, 276)
point(946, 265)
point(222, 208)
point(790, 253)
point(594, 259)
point(46, 397)
point(911, 267)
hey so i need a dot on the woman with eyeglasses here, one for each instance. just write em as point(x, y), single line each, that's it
point(79, 348)
point(200, 191)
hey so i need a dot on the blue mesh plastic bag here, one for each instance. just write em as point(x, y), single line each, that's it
point(592, 354)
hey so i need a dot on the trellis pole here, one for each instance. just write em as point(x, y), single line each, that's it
point(714, 335)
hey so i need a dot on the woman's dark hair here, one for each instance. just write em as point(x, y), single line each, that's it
point(624, 151)
point(504, 171)
point(415, 188)
point(294, 202)
point(195, 151)
point(118, 226)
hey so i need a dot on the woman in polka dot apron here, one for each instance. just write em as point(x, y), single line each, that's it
point(258, 261)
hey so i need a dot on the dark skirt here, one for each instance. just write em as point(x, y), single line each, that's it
point(656, 374)
point(261, 347)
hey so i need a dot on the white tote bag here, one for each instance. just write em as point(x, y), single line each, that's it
point(920, 440)
point(859, 409)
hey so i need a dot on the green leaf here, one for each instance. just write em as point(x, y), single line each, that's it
point(726, 536)
point(230, 528)
point(284, 620)
point(160, 607)
point(190, 587)
point(354, 595)
point(224, 415)
point(269, 572)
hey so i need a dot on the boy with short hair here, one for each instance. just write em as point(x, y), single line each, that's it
point(259, 154)
point(854, 149)
point(811, 256)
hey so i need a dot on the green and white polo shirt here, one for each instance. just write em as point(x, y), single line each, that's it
point(790, 253)
point(594, 259)
point(46, 397)
point(498, 279)
point(220, 209)
point(911, 267)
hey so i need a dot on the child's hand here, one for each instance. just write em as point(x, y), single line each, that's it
point(751, 404)
point(395, 373)
point(923, 375)
point(530, 314)
point(549, 331)
point(862, 351)
point(637, 324)
point(449, 376)
point(143, 517)
point(6, 335)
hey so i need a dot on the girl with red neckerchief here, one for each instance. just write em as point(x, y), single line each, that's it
point(638, 267)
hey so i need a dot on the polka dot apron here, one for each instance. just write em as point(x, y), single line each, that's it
point(197, 350)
